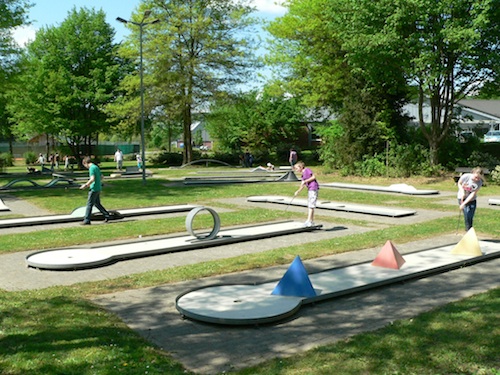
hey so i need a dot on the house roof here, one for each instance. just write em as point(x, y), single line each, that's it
point(491, 107)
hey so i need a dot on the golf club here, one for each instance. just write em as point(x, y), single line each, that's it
point(289, 203)
point(458, 221)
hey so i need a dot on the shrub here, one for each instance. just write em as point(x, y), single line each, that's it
point(370, 166)
point(167, 158)
point(30, 157)
point(408, 160)
point(495, 175)
point(482, 159)
point(233, 159)
point(6, 160)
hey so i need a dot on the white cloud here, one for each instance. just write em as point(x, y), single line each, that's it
point(270, 6)
point(24, 34)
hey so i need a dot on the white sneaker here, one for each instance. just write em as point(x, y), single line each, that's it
point(308, 224)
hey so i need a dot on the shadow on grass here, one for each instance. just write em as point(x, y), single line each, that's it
point(61, 335)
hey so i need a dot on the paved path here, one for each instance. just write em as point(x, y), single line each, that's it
point(16, 276)
point(212, 349)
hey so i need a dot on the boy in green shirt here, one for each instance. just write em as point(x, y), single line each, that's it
point(95, 187)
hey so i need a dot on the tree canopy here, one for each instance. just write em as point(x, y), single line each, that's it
point(447, 49)
point(13, 13)
point(199, 48)
point(258, 120)
point(377, 49)
point(309, 43)
point(70, 74)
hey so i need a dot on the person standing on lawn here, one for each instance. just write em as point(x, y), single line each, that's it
point(95, 186)
point(468, 186)
point(309, 180)
point(119, 159)
point(292, 157)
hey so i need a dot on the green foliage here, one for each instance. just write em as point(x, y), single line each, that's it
point(370, 166)
point(230, 158)
point(490, 148)
point(412, 160)
point(306, 53)
point(262, 122)
point(167, 158)
point(361, 131)
point(454, 153)
point(70, 73)
point(482, 159)
point(6, 159)
point(197, 51)
point(12, 14)
point(30, 157)
point(495, 175)
point(318, 64)
point(401, 160)
point(391, 36)
point(358, 57)
point(330, 136)
point(162, 134)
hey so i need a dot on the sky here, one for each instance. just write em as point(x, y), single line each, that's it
point(53, 12)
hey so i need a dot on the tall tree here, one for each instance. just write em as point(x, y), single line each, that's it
point(305, 53)
point(201, 47)
point(309, 43)
point(13, 13)
point(72, 72)
point(448, 49)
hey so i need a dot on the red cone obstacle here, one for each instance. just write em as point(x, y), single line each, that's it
point(389, 257)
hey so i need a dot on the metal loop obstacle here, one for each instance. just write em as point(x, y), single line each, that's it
point(189, 223)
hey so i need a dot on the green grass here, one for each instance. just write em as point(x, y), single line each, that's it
point(57, 330)
point(459, 338)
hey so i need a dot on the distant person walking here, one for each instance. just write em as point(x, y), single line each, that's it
point(95, 186)
point(468, 186)
point(139, 161)
point(41, 161)
point(292, 158)
point(309, 181)
point(56, 160)
point(66, 162)
point(119, 159)
point(247, 159)
point(52, 161)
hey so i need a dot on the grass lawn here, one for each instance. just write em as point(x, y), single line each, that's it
point(57, 330)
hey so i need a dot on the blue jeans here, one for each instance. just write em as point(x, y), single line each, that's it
point(94, 200)
point(469, 211)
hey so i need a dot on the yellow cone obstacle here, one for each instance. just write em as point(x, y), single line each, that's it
point(468, 245)
point(389, 257)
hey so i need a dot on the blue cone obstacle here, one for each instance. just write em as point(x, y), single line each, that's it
point(295, 282)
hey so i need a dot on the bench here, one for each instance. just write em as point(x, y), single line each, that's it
point(131, 172)
point(134, 169)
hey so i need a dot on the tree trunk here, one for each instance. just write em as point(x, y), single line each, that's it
point(433, 151)
point(187, 152)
